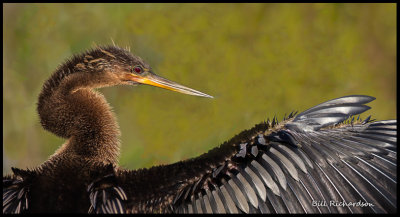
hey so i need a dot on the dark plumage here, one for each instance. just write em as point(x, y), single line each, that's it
point(312, 162)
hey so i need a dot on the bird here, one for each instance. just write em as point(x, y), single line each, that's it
point(325, 159)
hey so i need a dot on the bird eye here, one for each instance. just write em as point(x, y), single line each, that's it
point(137, 69)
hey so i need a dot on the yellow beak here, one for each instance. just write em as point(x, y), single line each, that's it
point(155, 80)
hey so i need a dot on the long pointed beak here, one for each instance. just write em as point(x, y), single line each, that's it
point(155, 80)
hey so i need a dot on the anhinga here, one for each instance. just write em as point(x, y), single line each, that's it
point(321, 160)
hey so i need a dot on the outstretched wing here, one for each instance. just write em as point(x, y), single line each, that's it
point(15, 192)
point(317, 162)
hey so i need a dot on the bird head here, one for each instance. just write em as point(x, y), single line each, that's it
point(126, 68)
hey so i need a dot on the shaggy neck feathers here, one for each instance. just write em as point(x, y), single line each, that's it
point(70, 108)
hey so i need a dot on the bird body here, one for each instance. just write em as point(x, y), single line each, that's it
point(301, 164)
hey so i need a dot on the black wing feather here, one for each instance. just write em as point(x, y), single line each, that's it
point(16, 191)
point(106, 196)
point(230, 205)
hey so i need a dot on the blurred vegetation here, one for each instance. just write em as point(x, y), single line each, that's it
point(257, 60)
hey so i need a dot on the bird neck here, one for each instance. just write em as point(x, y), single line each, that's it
point(70, 108)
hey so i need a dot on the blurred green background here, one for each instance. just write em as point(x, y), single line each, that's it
point(257, 60)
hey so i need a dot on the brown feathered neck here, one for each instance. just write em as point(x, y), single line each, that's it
point(70, 107)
